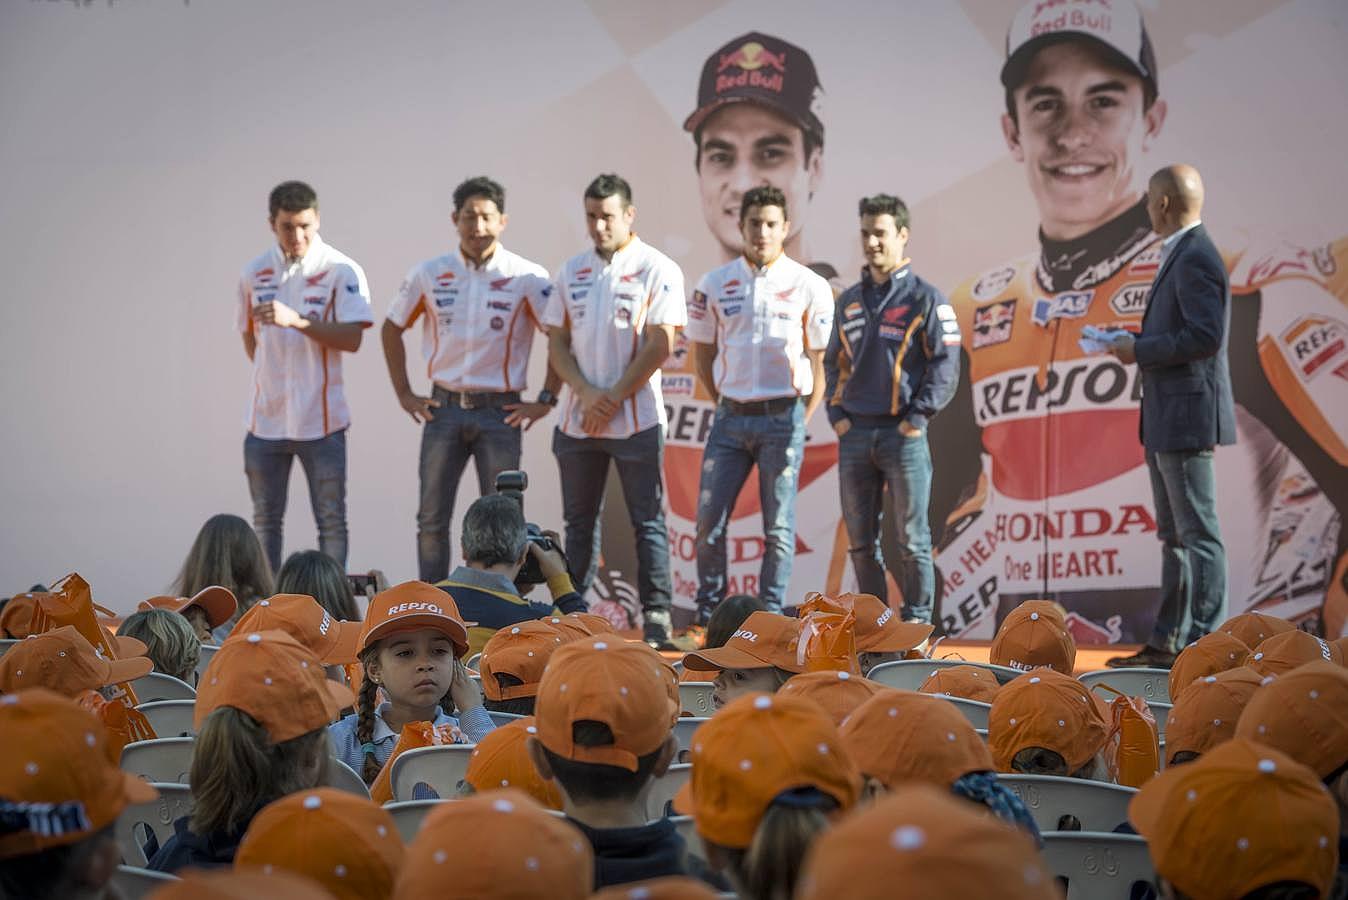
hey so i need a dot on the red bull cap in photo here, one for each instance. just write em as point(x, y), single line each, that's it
point(759, 68)
point(1115, 24)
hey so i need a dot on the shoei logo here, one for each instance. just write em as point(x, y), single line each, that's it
point(884, 617)
point(743, 635)
point(325, 624)
point(415, 607)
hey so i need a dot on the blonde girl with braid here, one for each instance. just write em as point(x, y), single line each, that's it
point(411, 648)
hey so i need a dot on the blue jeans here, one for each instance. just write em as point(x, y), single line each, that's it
point(267, 464)
point(447, 440)
point(775, 444)
point(583, 466)
point(870, 457)
point(1193, 560)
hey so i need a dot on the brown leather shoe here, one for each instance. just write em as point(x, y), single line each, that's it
point(1147, 658)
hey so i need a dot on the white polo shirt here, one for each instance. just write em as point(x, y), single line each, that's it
point(477, 323)
point(607, 306)
point(762, 320)
point(297, 382)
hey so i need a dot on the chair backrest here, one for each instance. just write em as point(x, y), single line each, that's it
point(664, 788)
point(908, 674)
point(695, 697)
point(472, 661)
point(503, 718)
point(133, 883)
point(1095, 805)
point(344, 778)
point(429, 772)
point(687, 830)
point(1098, 866)
point(6, 643)
point(407, 815)
point(207, 651)
point(974, 711)
point(134, 826)
point(170, 718)
point(1151, 684)
point(1162, 713)
point(167, 760)
point(684, 728)
point(158, 686)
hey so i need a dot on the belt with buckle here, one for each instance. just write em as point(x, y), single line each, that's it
point(760, 407)
point(477, 399)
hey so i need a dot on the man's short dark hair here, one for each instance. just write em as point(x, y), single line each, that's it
point(292, 197)
point(763, 195)
point(494, 531)
point(593, 782)
point(885, 205)
point(483, 187)
point(610, 185)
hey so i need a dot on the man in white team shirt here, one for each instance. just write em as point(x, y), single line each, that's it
point(611, 328)
point(301, 305)
point(479, 307)
point(760, 325)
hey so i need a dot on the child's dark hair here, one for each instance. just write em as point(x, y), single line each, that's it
point(770, 866)
point(367, 701)
point(594, 782)
point(483, 187)
point(729, 615)
point(51, 872)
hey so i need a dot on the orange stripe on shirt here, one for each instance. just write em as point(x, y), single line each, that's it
point(844, 369)
point(510, 332)
point(898, 364)
point(636, 335)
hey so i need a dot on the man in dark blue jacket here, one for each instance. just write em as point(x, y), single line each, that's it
point(892, 363)
point(1186, 410)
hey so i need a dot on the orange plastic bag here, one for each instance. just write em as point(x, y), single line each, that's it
point(414, 735)
point(827, 635)
point(124, 725)
point(70, 602)
point(1132, 750)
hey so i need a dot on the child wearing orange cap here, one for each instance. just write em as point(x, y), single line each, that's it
point(60, 795)
point(62, 660)
point(968, 682)
point(502, 760)
point(759, 657)
point(209, 608)
point(411, 648)
point(169, 641)
point(307, 621)
point(1205, 713)
point(261, 715)
point(837, 693)
point(1029, 638)
point(512, 665)
point(770, 773)
point(1047, 723)
point(881, 636)
point(605, 717)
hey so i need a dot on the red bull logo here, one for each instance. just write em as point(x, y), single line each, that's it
point(758, 68)
point(1076, 19)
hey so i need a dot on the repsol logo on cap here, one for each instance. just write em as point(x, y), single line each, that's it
point(884, 617)
point(743, 635)
point(415, 606)
point(325, 624)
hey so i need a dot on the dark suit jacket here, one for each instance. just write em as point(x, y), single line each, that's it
point(1186, 383)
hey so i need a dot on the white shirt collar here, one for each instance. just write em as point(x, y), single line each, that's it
point(1170, 241)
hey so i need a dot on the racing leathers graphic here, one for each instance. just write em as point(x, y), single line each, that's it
point(1059, 504)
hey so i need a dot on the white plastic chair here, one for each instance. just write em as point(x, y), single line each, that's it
point(170, 718)
point(344, 778)
point(1162, 713)
point(166, 760)
point(158, 686)
point(908, 674)
point(6, 643)
point(438, 768)
point(684, 728)
point(207, 651)
point(1150, 684)
point(695, 697)
point(407, 815)
point(1098, 866)
point(664, 788)
point(137, 821)
point(133, 883)
point(973, 710)
point(473, 661)
point(1096, 805)
point(503, 718)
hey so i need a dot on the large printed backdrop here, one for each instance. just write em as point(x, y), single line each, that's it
point(141, 140)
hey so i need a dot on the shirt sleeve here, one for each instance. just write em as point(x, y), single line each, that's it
point(837, 368)
point(819, 314)
point(410, 295)
point(554, 314)
point(475, 723)
point(540, 294)
point(701, 325)
point(941, 344)
point(353, 296)
point(243, 309)
point(667, 304)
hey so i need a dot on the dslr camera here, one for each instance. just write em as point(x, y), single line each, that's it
point(513, 483)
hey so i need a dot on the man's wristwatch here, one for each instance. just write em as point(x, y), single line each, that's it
point(547, 396)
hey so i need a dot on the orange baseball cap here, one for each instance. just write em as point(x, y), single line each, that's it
point(58, 784)
point(62, 660)
point(1253, 628)
point(1283, 652)
point(900, 736)
point(751, 751)
point(932, 843)
point(879, 630)
point(1240, 817)
point(1304, 714)
point(501, 760)
point(345, 842)
point(240, 884)
point(276, 680)
point(16, 619)
point(1048, 709)
point(838, 693)
point(501, 845)
point(1210, 654)
point(1028, 639)
point(303, 618)
point(570, 629)
point(593, 622)
point(1205, 713)
point(764, 639)
point(521, 650)
point(625, 685)
point(673, 887)
point(218, 603)
point(969, 682)
point(414, 604)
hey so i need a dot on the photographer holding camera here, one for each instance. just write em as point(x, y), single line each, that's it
point(498, 548)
